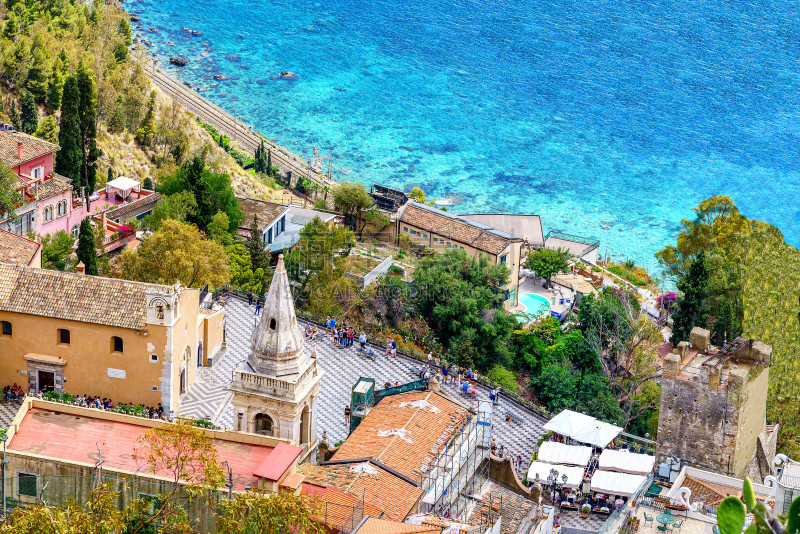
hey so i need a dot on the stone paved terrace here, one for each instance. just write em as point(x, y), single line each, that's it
point(208, 397)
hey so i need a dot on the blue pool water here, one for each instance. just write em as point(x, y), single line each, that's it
point(609, 119)
point(535, 305)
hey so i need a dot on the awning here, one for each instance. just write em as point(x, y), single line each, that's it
point(583, 428)
point(622, 484)
point(558, 453)
point(45, 358)
point(123, 185)
point(626, 462)
point(574, 474)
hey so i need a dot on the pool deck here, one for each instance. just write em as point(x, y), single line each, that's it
point(553, 295)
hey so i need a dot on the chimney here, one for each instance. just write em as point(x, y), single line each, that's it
point(19, 150)
point(81, 268)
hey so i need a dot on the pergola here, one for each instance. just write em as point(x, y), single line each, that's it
point(122, 187)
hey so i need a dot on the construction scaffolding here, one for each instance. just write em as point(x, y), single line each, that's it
point(451, 486)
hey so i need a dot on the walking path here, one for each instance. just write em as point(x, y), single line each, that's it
point(224, 122)
point(208, 398)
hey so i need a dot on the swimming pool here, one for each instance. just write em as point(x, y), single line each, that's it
point(535, 305)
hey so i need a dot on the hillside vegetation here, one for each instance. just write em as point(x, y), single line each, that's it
point(140, 131)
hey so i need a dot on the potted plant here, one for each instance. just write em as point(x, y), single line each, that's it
point(585, 510)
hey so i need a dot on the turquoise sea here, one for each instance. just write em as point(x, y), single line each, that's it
point(609, 119)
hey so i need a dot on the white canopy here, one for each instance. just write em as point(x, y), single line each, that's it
point(583, 428)
point(574, 474)
point(558, 453)
point(123, 185)
point(626, 462)
point(622, 484)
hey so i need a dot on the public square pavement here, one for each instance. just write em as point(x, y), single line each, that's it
point(208, 397)
point(8, 409)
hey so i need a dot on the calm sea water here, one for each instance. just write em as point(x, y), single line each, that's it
point(609, 119)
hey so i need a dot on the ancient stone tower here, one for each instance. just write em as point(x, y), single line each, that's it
point(712, 412)
point(275, 390)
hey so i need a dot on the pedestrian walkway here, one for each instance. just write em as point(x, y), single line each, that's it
point(208, 398)
point(8, 409)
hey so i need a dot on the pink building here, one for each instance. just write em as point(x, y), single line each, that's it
point(47, 205)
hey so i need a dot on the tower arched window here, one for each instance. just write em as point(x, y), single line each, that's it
point(159, 310)
point(272, 324)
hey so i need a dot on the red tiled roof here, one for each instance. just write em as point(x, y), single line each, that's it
point(429, 432)
point(279, 460)
point(74, 297)
point(382, 526)
point(17, 249)
point(389, 493)
point(32, 147)
point(455, 228)
point(72, 438)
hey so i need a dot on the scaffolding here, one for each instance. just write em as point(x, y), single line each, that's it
point(450, 487)
point(362, 399)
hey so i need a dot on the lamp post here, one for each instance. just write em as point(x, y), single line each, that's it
point(4, 439)
point(229, 483)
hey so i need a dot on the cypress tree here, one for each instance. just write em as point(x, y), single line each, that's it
point(70, 158)
point(196, 182)
point(110, 175)
point(269, 163)
point(86, 251)
point(148, 183)
point(692, 306)
point(258, 254)
point(257, 158)
point(30, 116)
point(88, 125)
point(13, 116)
point(54, 90)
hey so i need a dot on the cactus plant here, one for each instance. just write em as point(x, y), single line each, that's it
point(731, 515)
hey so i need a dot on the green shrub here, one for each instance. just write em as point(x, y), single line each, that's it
point(505, 378)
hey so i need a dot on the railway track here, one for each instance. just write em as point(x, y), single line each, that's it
point(247, 138)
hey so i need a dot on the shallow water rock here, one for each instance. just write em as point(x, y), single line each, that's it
point(135, 17)
point(233, 57)
point(179, 61)
point(220, 77)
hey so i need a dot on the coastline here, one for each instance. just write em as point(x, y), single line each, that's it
point(247, 138)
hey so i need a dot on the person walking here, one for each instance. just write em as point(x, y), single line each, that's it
point(362, 340)
point(388, 346)
point(347, 415)
point(394, 349)
point(250, 298)
point(327, 325)
point(333, 325)
point(351, 333)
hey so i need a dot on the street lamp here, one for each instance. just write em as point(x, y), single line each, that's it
point(229, 483)
point(4, 439)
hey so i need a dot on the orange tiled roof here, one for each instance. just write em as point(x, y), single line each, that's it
point(456, 228)
point(74, 297)
point(382, 526)
point(429, 433)
point(390, 494)
point(32, 147)
point(17, 249)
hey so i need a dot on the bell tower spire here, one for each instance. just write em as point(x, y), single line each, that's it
point(276, 345)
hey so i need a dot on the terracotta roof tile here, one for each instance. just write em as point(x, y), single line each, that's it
point(32, 147)
point(456, 228)
point(74, 297)
point(501, 501)
point(266, 211)
point(17, 249)
point(128, 207)
point(340, 510)
point(50, 188)
point(429, 433)
point(382, 526)
point(389, 493)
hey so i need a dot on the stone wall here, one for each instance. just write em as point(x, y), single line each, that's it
point(690, 414)
point(752, 416)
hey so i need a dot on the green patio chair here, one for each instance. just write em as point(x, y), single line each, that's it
point(676, 526)
point(648, 519)
point(715, 529)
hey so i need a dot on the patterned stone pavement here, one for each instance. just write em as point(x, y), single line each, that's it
point(208, 398)
point(7, 412)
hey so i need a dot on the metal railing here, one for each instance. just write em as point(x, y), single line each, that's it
point(572, 237)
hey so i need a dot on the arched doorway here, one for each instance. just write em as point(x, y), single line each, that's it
point(200, 354)
point(305, 425)
point(264, 425)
